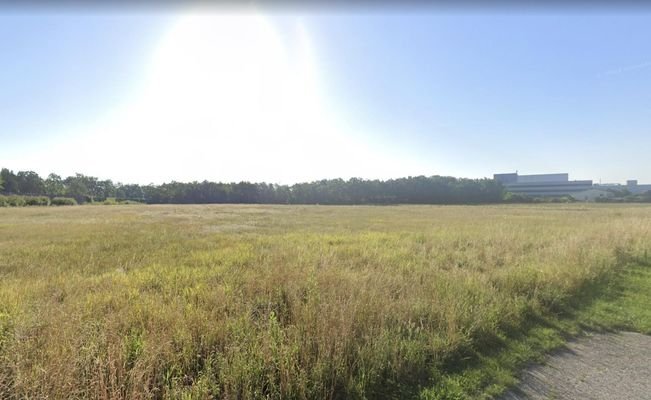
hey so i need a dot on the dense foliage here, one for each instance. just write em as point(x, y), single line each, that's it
point(521, 198)
point(411, 190)
point(22, 201)
point(63, 201)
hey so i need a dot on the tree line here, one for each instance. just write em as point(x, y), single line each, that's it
point(409, 190)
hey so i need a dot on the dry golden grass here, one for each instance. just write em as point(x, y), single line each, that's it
point(138, 302)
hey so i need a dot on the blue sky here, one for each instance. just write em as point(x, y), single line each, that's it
point(151, 97)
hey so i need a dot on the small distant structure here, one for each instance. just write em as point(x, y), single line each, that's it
point(542, 185)
point(635, 188)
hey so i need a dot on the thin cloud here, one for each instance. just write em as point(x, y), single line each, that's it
point(628, 68)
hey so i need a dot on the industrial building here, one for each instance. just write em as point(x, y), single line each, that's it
point(543, 184)
point(560, 185)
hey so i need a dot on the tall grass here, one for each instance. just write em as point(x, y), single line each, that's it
point(283, 301)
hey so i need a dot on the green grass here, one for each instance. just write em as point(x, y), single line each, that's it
point(625, 303)
point(306, 301)
point(618, 302)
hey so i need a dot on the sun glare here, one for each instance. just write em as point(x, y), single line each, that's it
point(227, 98)
point(228, 92)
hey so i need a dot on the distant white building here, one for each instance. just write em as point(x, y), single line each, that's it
point(542, 185)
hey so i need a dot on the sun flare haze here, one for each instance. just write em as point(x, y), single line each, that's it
point(224, 97)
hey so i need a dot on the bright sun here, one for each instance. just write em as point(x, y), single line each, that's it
point(227, 92)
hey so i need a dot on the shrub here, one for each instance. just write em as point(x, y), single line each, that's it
point(517, 198)
point(37, 201)
point(16, 201)
point(3, 201)
point(129, 202)
point(112, 201)
point(63, 201)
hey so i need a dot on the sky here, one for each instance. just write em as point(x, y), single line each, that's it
point(292, 96)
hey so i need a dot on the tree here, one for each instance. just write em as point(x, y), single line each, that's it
point(54, 186)
point(76, 187)
point(129, 192)
point(104, 189)
point(30, 183)
point(410, 190)
point(9, 181)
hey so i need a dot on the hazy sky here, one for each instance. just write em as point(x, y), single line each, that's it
point(287, 97)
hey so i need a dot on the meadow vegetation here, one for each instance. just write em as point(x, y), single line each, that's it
point(301, 302)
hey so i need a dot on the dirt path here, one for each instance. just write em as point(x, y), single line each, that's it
point(600, 366)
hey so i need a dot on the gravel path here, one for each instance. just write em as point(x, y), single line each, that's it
point(596, 367)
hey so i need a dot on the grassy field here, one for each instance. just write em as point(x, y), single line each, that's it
point(306, 301)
